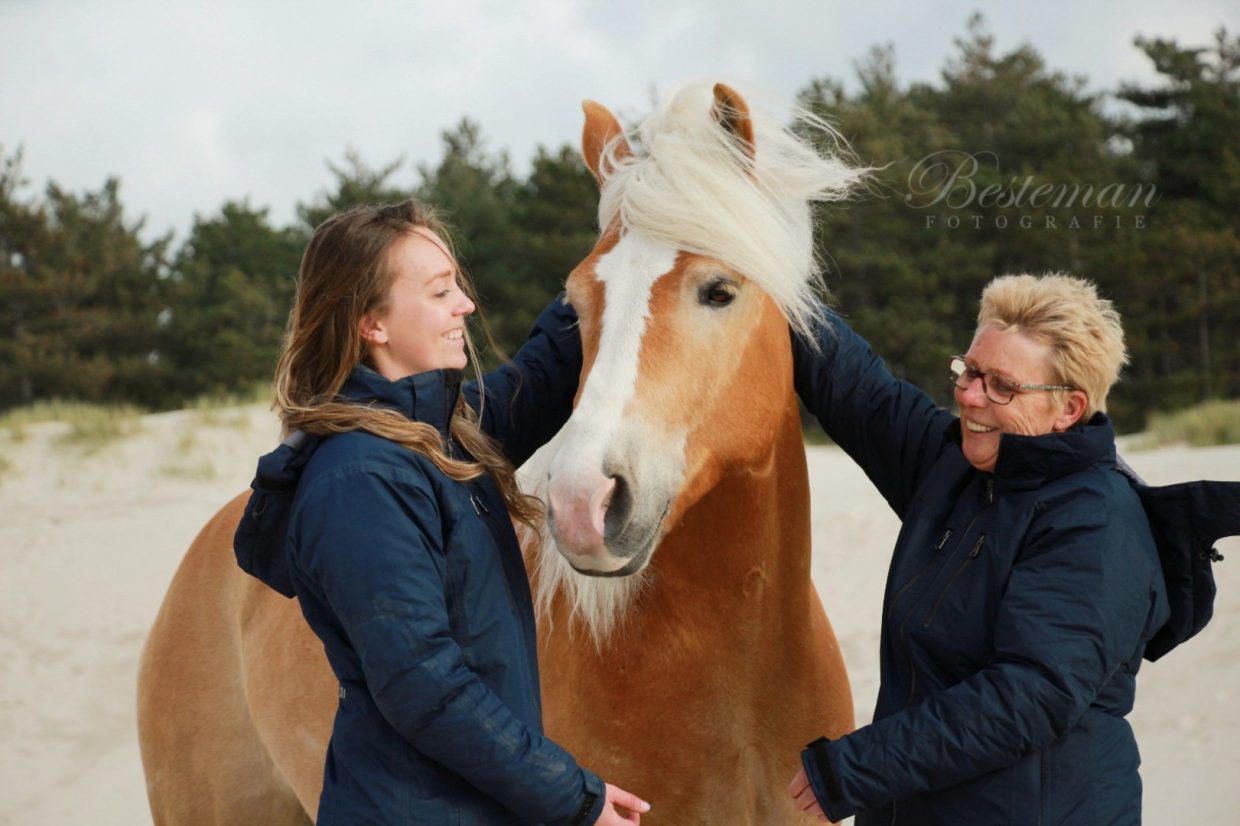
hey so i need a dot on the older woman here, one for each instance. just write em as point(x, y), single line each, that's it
point(1025, 582)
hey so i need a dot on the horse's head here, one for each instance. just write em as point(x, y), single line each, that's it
point(706, 256)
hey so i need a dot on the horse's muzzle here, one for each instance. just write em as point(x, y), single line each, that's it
point(591, 517)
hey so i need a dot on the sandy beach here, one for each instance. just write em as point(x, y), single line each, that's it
point(90, 540)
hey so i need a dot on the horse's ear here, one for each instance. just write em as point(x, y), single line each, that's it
point(600, 129)
point(732, 113)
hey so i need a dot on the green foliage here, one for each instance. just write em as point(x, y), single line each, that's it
point(518, 240)
point(229, 295)
point(476, 191)
point(1188, 131)
point(1179, 280)
point(910, 284)
point(90, 312)
point(356, 183)
point(82, 296)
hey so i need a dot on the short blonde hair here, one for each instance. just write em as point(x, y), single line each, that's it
point(1065, 313)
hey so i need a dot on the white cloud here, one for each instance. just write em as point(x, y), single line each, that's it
point(191, 104)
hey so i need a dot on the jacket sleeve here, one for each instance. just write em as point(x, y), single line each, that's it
point(1075, 610)
point(383, 578)
point(530, 398)
point(889, 427)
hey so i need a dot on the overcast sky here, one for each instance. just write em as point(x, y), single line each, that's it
point(191, 104)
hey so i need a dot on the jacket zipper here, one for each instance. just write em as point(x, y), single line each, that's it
point(896, 596)
point(908, 652)
point(977, 549)
point(483, 512)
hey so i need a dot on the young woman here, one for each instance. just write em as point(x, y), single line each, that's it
point(399, 543)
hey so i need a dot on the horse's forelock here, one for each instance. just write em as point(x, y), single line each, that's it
point(690, 185)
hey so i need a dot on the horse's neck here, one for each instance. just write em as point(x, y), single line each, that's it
point(745, 546)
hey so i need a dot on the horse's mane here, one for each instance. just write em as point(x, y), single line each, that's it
point(691, 185)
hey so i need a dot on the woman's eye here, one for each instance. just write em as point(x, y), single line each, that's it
point(718, 294)
point(1004, 385)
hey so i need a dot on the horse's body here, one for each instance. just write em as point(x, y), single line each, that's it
point(692, 676)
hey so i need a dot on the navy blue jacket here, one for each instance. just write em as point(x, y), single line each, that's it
point(1017, 608)
point(416, 586)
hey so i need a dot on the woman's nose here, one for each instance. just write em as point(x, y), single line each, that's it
point(466, 306)
point(975, 394)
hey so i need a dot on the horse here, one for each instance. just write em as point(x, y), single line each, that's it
point(685, 654)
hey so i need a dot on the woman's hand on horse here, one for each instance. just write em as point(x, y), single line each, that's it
point(803, 796)
point(621, 807)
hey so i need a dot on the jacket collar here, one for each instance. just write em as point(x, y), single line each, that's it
point(428, 397)
point(1029, 461)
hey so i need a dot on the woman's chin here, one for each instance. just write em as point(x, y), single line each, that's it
point(454, 361)
point(981, 456)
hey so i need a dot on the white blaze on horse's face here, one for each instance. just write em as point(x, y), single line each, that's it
point(665, 336)
point(591, 475)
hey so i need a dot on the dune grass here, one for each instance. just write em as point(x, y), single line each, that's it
point(90, 426)
point(222, 410)
point(258, 392)
point(197, 470)
point(186, 460)
point(1203, 425)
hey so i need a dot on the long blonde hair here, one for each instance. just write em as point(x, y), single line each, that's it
point(344, 276)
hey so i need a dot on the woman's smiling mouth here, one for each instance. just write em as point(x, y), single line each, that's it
point(974, 427)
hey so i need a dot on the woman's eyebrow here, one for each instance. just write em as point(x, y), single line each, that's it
point(439, 276)
point(992, 371)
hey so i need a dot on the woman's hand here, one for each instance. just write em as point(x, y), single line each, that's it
point(803, 796)
point(618, 801)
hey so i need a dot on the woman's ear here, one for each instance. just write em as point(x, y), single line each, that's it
point(372, 330)
point(1073, 409)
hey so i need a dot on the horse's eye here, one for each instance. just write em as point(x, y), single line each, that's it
point(718, 293)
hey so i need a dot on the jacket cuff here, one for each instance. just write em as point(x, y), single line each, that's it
point(594, 797)
point(824, 781)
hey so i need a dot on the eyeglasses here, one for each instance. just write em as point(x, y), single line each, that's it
point(999, 389)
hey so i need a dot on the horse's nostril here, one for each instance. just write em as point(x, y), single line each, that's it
point(619, 509)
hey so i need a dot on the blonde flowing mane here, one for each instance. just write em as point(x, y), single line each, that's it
point(692, 186)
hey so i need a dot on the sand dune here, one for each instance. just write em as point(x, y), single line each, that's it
point(88, 543)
